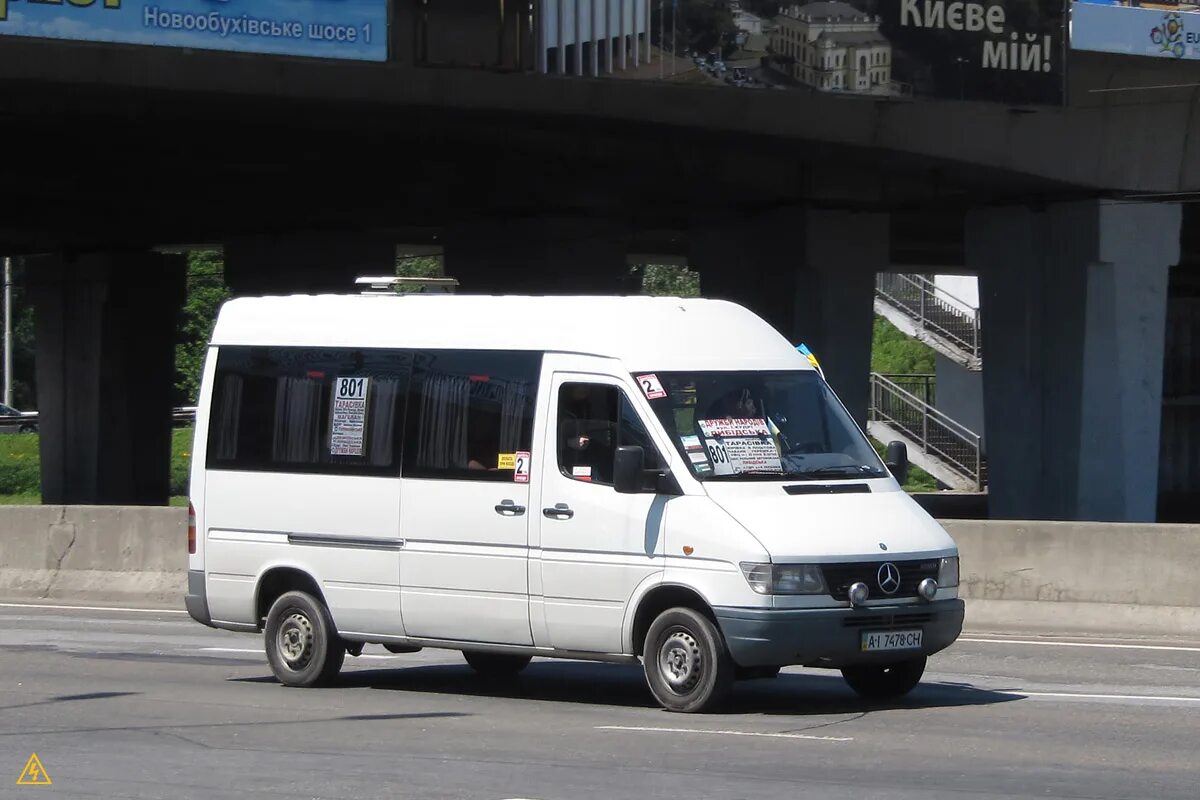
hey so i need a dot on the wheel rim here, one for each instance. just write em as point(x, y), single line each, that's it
point(294, 642)
point(680, 661)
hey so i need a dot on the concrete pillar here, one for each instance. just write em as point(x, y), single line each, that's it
point(305, 263)
point(811, 274)
point(538, 256)
point(105, 332)
point(1074, 307)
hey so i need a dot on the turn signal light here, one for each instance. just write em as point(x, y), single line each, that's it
point(191, 530)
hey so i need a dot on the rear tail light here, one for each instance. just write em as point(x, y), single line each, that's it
point(191, 530)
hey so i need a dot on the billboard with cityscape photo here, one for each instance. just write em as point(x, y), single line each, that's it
point(1006, 51)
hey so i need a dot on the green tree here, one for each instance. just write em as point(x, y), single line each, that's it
point(417, 267)
point(894, 352)
point(206, 291)
point(668, 280)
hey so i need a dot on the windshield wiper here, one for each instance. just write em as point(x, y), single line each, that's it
point(837, 472)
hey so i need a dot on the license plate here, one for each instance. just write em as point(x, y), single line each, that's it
point(890, 640)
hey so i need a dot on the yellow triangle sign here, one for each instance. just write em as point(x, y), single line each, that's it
point(34, 774)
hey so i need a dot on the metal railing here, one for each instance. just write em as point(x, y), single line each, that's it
point(29, 420)
point(937, 435)
point(932, 309)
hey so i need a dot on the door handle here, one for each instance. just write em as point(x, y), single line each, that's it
point(560, 511)
point(509, 508)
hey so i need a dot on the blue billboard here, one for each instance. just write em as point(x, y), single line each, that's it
point(345, 29)
point(1164, 31)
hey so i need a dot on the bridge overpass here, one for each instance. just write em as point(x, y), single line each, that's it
point(310, 172)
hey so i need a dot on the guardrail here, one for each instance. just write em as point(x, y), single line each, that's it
point(937, 436)
point(933, 310)
point(28, 421)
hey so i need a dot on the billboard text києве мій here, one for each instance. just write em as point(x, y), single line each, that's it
point(345, 29)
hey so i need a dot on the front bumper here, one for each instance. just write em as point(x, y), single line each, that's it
point(832, 637)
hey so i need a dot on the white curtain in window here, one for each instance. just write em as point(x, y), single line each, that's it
point(515, 408)
point(382, 424)
point(297, 420)
point(231, 414)
point(442, 424)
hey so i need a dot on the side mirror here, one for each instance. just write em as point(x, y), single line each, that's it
point(629, 465)
point(897, 461)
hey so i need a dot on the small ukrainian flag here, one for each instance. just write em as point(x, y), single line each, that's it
point(812, 359)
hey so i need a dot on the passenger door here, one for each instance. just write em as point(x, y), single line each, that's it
point(465, 516)
point(597, 546)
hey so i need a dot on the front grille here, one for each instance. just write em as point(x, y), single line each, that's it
point(885, 621)
point(839, 577)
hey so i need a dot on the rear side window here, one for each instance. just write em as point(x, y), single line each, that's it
point(470, 413)
point(301, 409)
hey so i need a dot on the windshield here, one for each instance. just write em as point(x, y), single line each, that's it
point(785, 425)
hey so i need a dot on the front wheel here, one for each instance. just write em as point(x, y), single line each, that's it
point(885, 681)
point(688, 667)
point(302, 644)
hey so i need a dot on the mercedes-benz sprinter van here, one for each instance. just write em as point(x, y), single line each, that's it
point(610, 478)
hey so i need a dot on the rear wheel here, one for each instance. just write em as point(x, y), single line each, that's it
point(688, 667)
point(302, 645)
point(885, 681)
point(496, 665)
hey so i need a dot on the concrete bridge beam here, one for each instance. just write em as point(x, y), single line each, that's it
point(1074, 297)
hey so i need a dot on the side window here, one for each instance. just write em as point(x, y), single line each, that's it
point(470, 413)
point(593, 421)
point(299, 409)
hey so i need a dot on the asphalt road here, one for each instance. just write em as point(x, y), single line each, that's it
point(152, 705)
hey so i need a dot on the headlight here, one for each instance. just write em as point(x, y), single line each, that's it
point(784, 578)
point(948, 572)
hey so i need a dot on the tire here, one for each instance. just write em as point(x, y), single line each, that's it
point(301, 642)
point(885, 681)
point(495, 665)
point(27, 429)
point(687, 665)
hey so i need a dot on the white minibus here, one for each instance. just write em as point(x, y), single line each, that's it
point(629, 479)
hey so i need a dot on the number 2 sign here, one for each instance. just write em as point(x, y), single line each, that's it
point(521, 467)
point(651, 386)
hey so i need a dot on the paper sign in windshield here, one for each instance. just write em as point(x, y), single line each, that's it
point(737, 446)
point(349, 416)
point(651, 386)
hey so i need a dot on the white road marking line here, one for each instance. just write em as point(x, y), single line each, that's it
point(1172, 648)
point(1080, 696)
point(96, 608)
point(727, 733)
point(259, 652)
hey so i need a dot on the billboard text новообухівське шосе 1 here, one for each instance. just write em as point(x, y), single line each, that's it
point(1166, 30)
point(346, 29)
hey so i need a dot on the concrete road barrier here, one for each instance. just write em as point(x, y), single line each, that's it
point(1087, 576)
point(120, 555)
point(1052, 576)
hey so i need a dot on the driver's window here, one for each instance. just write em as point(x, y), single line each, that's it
point(593, 420)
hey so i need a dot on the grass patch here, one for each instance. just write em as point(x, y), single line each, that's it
point(21, 465)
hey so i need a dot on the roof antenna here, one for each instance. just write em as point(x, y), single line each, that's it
point(394, 284)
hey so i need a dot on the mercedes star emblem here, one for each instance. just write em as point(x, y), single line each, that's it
point(889, 578)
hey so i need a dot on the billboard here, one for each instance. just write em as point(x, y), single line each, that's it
point(1163, 30)
point(1008, 51)
point(345, 29)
